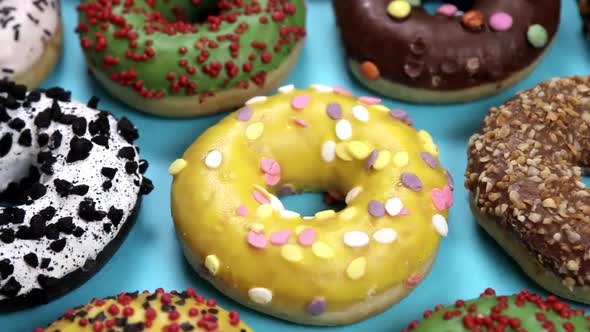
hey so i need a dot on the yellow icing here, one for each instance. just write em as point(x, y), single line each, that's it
point(290, 275)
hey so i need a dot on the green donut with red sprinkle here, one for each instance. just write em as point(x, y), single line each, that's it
point(521, 312)
point(187, 58)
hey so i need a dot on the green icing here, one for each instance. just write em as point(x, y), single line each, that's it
point(167, 56)
point(526, 314)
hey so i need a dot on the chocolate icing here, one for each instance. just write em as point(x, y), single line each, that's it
point(434, 51)
point(524, 171)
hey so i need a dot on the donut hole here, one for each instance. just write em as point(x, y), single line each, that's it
point(190, 13)
point(309, 203)
point(17, 184)
point(432, 6)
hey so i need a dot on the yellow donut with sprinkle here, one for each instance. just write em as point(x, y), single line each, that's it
point(333, 268)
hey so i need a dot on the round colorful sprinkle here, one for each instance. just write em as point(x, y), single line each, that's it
point(334, 111)
point(317, 306)
point(244, 114)
point(429, 159)
point(411, 181)
point(501, 21)
point(213, 159)
point(537, 35)
point(300, 101)
point(376, 209)
point(356, 239)
point(399, 9)
point(447, 10)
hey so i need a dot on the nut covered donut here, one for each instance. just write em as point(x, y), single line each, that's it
point(74, 178)
point(524, 174)
point(186, 58)
point(31, 38)
point(475, 49)
point(335, 267)
point(158, 311)
point(521, 312)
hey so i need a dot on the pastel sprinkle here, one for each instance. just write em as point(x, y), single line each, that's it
point(537, 35)
point(411, 181)
point(343, 152)
point(352, 194)
point(285, 190)
point(212, 264)
point(356, 239)
point(394, 206)
point(501, 21)
point(254, 226)
point(440, 225)
point(376, 209)
point(287, 88)
point(414, 280)
point(429, 159)
point(288, 214)
point(348, 213)
point(271, 180)
point(370, 100)
point(260, 197)
point(260, 295)
point(213, 159)
point(329, 151)
point(264, 211)
point(256, 240)
point(356, 268)
point(404, 212)
point(401, 159)
point(415, 3)
point(450, 180)
point(385, 235)
point(242, 211)
point(371, 159)
point(322, 250)
point(358, 149)
point(317, 306)
point(343, 129)
point(254, 130)
point(276, 203)
point(424, 136)
point(322, 88)
point(292, 253)
point(334, 111)
point(177, 166)
point(401, 115)
point(300, 101)
point(383, 159)
point(442, 198)
point(300, 122)
point(447, 10)
point(325, 214)
point(255, 100)
point(360, 113)
point(399, 9)
point(307, 237)
point(244, 114)
point(270, 166)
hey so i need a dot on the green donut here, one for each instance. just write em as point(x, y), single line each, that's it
point(178, 58)
point(517, 313)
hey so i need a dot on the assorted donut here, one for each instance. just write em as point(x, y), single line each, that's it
point(378, 248)
point(72, 179)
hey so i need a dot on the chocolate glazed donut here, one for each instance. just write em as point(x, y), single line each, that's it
point(460, 53)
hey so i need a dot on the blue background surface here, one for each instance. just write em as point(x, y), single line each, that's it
point(468, 260)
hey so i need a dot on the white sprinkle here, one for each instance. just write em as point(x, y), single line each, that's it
point(322, 88)
point(385, 235)
point(329, 151)
point(343, 130)
point(213, 159)
point(440, 224)
point(352, 194)
point(288, 214)
point(356, 239)
point(360, 113)
point(257, 99)
point(394, 206)
point(260, 295)
point(287, 88)
point(308, 217)
point(276, 203)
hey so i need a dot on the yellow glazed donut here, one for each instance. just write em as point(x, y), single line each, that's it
point(335, 267)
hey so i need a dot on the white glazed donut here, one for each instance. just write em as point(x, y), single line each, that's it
point(76, 179)
point(30, 35)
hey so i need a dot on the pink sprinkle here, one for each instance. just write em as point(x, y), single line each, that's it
point(341, 91)
point(300, 101)
point(242, 211)
point(260, 197)
point(301, 122)
point(270, 166)
point(448, 192)
point(370, 100)
point(414, 280)
point(438, 199)
point(272, 180)
point(447, 10)
point(307, 237)
point(501, 21)
point(404, 212)
point(279, 238)
point(256, 240)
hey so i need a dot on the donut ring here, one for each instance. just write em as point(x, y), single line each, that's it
point(158, 311)
point(314, 270)
point(523, 311)
point(155, 58)
point(76, 179)
point(525, 181)
point(31, 38)
point(405, 53)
